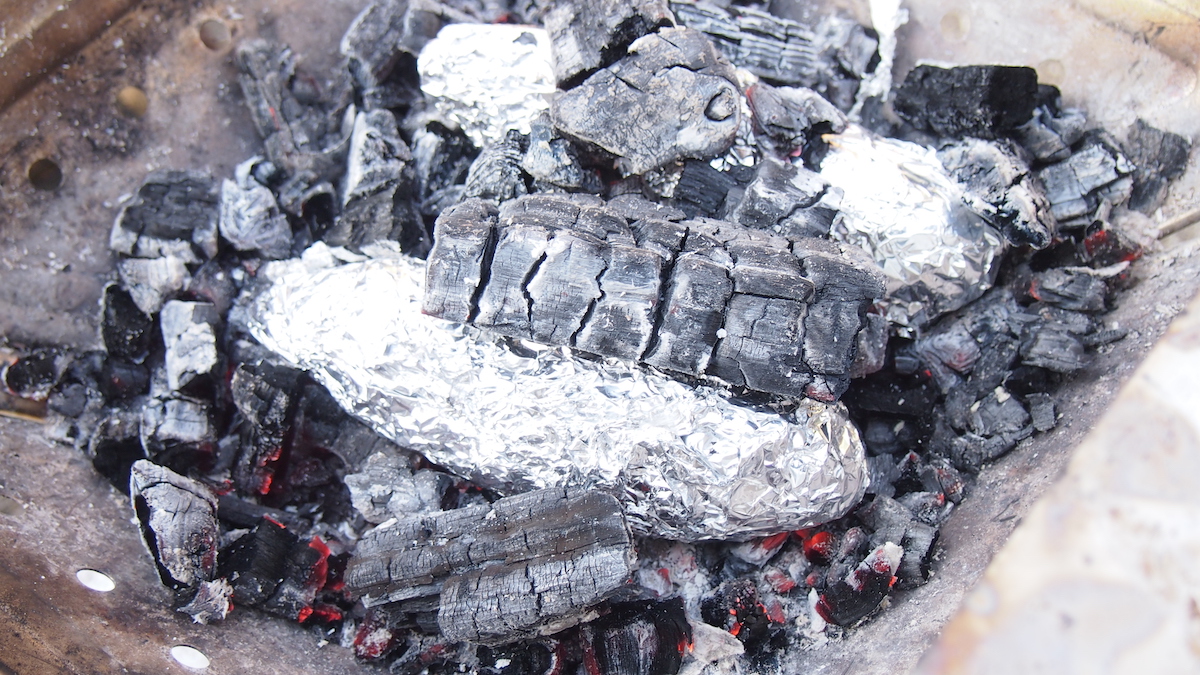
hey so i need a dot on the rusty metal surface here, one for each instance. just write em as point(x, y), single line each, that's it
point(54, 261)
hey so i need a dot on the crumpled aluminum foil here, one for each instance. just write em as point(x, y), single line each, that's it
point(488, 78)
point(686, 462)
point(901, 206)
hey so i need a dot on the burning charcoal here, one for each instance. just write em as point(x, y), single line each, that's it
point(173, 213)
point(518, 659)
point(188, 330)
point(586, 36)
point(1160, 157)
point(998, 413)
point(386, 487)
point(641, 638)
point(759, 551)
point(930, 508)
point(250, 217)
point(177, 432)
point(213, 284)
point(379, 188)
point(671, 98)
point(1000, 187)
point(1070, 289)
point(849, 600)
point(178, 517)
point(505, 571)
point(264, 397)
point(735, 606)
point(940, 476)
point(35, 373)
point(970, 452)
point(305, 570)
point(983, 101)
point(115, 445)
point(240, 513)
point(382, 44)
point(788, 118)
point(550, 160)
point(947, 352)
point(887, 518)
point(496, 173)
point(211, 602)
point(1041, 411)
point(1052, 130)
point(918, 542)
point(422, 654)
point(151, 281)
point(702, 190)
point(830, 57)
point(377, 636)
point(1095, 173)
point(488, 79)
point(786, 199)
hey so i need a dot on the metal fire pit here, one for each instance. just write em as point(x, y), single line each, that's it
point(57, 515)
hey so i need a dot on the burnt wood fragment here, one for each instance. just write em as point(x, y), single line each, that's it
point(1052, 130)
point(788, 200)
point(1096, 173)
point(250, 218)
point(189, 331)
point(787, 119)
point(264, 396)
point(983, 101)
point(850, 599)
point(173, 213)
point(496, 174)
point(126, 330)
point(641, 638)
point(522, 566)
point(1160, 157)
point(178, 517)
point(1001, 188)
point(586, 35)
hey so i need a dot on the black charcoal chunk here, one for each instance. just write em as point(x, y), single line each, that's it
point(1052, 130)
point(458, 265)
point(442, 157)
point(305, 570)
point(497, 573)
point(1103, 337)
point(250, 218)
point(887, 519)
point(850, 599)
point(552, 161)
point(872, 347)
point(917, 543)
point(214, 284)
point(786, 199)
point(496, 174)
point(948, 353)
point(735, 603)
point(121, 380)
point(254, 563)
point(1096, 173)
point(265, 398)
point(1053, 348)
point(114, 446)
point(983, 101)
point(35, 372)
point(1160, 157)
point(692, 312)
point(127, 331)
point(641, 638)
point(672, 98)
point(931, 508)
point(178, 517)
point(1070, 289)
point(241, 513)
point(151, 281)
point(211, 602)
point(622, 320)
point(190, 337)
point(178, 433)
point(173, 213)
point(586, 35)
point(516, 659)
point(998, 413)
point(787, 119)
point(702, 190)
point(1000, 187)
point(1041, 411)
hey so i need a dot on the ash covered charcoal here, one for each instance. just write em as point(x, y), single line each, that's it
point(850, 599)
point(735, 607)
point(700, 190)
point(1000, 187)
point(264, 396)
point(1096, 175)
point(178, 433)
point(189, 331)
point(151, 281)
point(787, 119)
point(173, 213)
point(672, 97)
point(788, 200)
point(250, 217)
point(497, 174)
point(831, 56)
point(1052, 130)
point(982, 101)
point(639, 638)
point(1160, 157)
point(523, 566)
point(1078, 289)
point(387, 487)
point(128, 332)
point(586, 36)
point(553, 162)
point(442, 157)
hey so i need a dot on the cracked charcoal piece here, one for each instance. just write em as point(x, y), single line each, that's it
point(1096, 173)
point(671, 98)
point(1053, 348)
point(702, 190)
point(551, 160)
point(382, 43)
point(126, 330)
point(1041, 411)
point(211, 602)
point(178, 517)
point(850, 599)
point(115, 445)
point(250, 218)
point(983, 101)
point(150, 281)
point(173, 213)
point(998, 413)
point(999, 186)
point(641, 638)
point(178, 433)
point(788, 200)
point(914, 566)
point(496, 174)
point(694, 297)
point(442, 158)
point(1160, 157)
point(522, 566)
point(305, 570)
point(787, 119)
point(1070, 289)
point(386, 487)
point(379, 188)
point(264, 398)
point(830, 57)
point(735, 607)
point(1052, 130)
point(590, 34)
point(189, 334)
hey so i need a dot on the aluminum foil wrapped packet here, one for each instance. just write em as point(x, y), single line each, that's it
point(686, 462)
point(488, 78)
point(900, 205)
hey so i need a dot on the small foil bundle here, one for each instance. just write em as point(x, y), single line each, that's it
point(488, 78)
point(685, 462)
point(901, 205)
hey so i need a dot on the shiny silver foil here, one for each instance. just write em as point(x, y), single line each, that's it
point(686, 462)
point(901, 206)
point(488, 78)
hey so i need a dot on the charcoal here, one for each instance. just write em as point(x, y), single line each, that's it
point(1074, 322)
point(519, 659)
point(641, 638)
point(150, 281)
point(122, 380)
point(36, 372)
point(887, 518)
point(1160, 157)
point(173, 212)
point(970, 452)
point(930, 508)
point(386, 487)
point(264, 398)
point(848, 600)
point(1075, 290)
point(178, 517)
point(702, 190)
point(634, 208)
point(213, 284)
point(671, 98)
point(785, 199)
point(998, 413)
point(378, 635)
point(552, 161)
point(189, 334)
point(1096, 173)
point(735, 607)
point(880, 437)
point(918, 542)
point(382, 43)
point(982, 101)
point(938, 475)
point(379, 189)
point(830, 56)
point(178, 433)
point(1103, 337)
point(499, 572)
point(758, 551)
point(999, 185)
point(115, 445)
point(586, 36)
point(1041, 411)
point(459, 263)
point(947, 352)
point(442, 158)
point(241, 513)
point(211, 602)
point(305, 570)
point(889, 394)
point(496, 174)
point(69, 399)
point(787, 119)
point(1052, 130)
point(871, 347)
point(250, 218)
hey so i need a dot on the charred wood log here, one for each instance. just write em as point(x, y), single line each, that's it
point(587, 35)
point(178, 517)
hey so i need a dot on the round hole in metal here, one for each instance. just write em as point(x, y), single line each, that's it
point(132, 101)
point(189, 657)
point(215, 34)
point(97, 581)
point(44, 174)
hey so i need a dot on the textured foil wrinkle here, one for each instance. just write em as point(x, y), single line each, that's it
point(900, 205)
point(687, 463)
